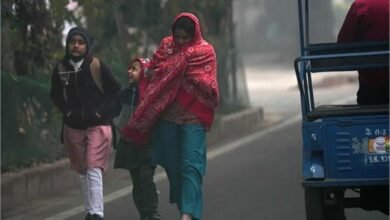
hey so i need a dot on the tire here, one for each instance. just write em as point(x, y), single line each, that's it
point(314, 203)
point(375, 198)
point(316, 209)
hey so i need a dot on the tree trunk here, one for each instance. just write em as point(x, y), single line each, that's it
point(7, 53)
point(7, 50)
point(120, 27)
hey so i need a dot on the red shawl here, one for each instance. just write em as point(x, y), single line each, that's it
point(183, 73)
point(144, 79)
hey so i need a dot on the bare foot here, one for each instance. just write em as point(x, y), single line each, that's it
point(186, 217)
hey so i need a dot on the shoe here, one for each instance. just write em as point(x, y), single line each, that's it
point(88, 217)
point(155, 217)
point(96, 217)
point(151, 217)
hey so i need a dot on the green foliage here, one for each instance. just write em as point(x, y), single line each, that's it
point(30, 128)
point(111, 56)
point(32, 35)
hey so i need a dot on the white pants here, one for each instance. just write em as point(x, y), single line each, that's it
point(92, 186)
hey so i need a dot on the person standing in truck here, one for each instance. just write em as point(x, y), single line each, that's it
point(368, 20)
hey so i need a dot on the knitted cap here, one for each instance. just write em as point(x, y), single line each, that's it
point(83, 33)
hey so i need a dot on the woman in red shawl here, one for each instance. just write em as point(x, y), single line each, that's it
point(177, 110)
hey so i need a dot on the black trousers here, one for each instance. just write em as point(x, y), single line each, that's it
point(373, 96)
point(145, 192)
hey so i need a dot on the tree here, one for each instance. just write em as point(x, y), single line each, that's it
point(32, 33)
point(7, 34)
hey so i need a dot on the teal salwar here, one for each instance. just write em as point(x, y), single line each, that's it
point(193, 168)
point(165, 152)
point(181, 150)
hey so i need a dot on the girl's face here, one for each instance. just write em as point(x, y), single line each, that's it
point(77, 47)
point(134, 72)
point(181, 37)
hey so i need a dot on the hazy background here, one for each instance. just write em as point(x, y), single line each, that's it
point(270, 27)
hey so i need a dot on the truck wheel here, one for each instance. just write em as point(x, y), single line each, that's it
point(336, 210)
point(314, 203)
point(316, 209)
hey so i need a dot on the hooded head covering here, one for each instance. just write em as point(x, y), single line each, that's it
point(143, 80)
point(197, 32)
point(84, 34)
point(145, 64)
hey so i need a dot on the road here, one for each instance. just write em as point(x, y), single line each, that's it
point(252, 178)
point(257, 177)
